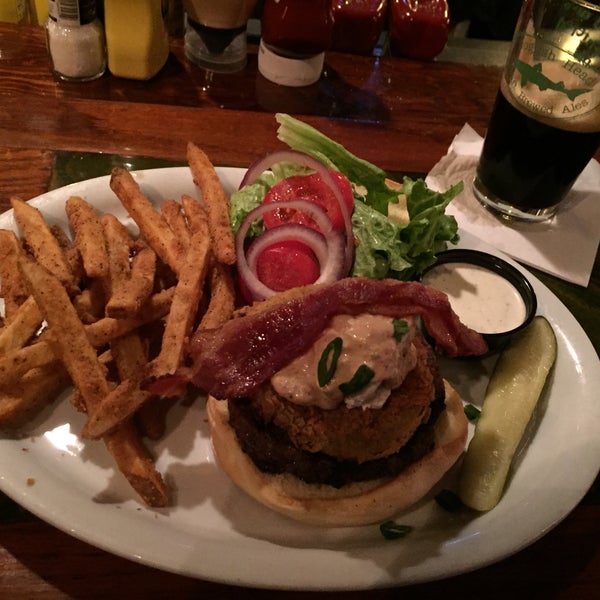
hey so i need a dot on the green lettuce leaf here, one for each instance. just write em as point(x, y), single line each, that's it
point(385, 247)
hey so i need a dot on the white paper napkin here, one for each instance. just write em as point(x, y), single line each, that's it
point(564, 246)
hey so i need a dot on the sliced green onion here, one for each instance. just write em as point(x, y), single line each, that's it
point(328, 361)
point(449, 501)
point(472, 412)
point(391, 530)
point(359, 380)
point(400, 328)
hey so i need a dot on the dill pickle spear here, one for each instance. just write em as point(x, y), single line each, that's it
point(510, 399)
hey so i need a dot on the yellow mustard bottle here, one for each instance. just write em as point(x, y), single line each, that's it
point(137, 43)
point(38, 11)
point(13, 11)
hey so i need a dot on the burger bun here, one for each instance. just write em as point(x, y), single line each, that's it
point(354, 504)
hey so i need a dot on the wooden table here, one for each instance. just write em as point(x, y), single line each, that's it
point(399, 114)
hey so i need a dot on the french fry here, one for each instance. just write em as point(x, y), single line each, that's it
point(136, 464)
point(12, 289)
point(37, 389)
point(124, 400)
point(188, 293)
point(128, 298)
point(107, 329)
point(118, 246)
point(89, 236)
point(42, 242)
point(90, 303)
point(88, 374)
point(216, 203)
point(130, 357)
point(15, 363)
point(26, 321)
point(76, 352)
point(222, 297)
point(151, 223)
point(70, 251)
point(171, 210)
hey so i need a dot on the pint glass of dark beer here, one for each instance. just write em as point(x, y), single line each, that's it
point(545, 125)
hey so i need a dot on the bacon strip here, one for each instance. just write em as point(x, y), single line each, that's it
point(235, 359)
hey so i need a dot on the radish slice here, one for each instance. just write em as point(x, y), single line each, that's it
point(328, 246)
point(295, 156)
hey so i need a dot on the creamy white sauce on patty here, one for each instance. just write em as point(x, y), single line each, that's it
point(366, 340)
point(484, 300)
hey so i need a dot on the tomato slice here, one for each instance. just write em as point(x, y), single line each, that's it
point(314, 189)
point(287, 264)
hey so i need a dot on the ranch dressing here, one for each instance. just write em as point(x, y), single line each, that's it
point(484, 300)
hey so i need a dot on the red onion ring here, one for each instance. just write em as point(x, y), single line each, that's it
point(295, 156)
point(327, 244)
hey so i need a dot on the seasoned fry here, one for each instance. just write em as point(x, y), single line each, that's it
point(42, 242)
point(171, 210)
point(222, 297)
point(89, 236)
point(118, 247)
point(129, 297)
point(151, 223)
point(70, 251)
point(15, 363)
point(26, 321)
point(216, 203)
point(185, 300)
point(76, 351)
point(104, 330)
point(39, 387)
point(88, 374)
point(130, 358)
point(98, 315)
point(90, 303)
point(12, 289)
point(123, 401)
point(136, 464)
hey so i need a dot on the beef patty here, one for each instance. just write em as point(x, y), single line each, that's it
point(272, 451)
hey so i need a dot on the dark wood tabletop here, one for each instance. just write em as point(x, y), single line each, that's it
point(399, 114)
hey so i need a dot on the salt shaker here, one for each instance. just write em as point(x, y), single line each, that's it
point(75, 38)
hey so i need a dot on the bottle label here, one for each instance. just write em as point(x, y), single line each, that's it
point(72, 12)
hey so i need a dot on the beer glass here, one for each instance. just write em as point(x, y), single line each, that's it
point(545, 125)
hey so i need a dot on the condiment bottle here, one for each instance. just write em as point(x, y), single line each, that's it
point(137, 41)
point(13, 11)
point(295, 35)
point(75, 40)
point(38, 11)
point(357, 25)
point(418, 29)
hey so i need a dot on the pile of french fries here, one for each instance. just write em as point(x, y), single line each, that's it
point(95, 311)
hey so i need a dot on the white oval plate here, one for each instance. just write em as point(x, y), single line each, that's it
point(215, 532)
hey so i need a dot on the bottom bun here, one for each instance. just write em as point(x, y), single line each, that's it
point(354, 504)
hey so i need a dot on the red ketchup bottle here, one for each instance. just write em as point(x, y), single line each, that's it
point(357, 25)
point(294, 37)
point(418, 28)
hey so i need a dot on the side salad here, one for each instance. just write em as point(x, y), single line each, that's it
point(346, 218)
